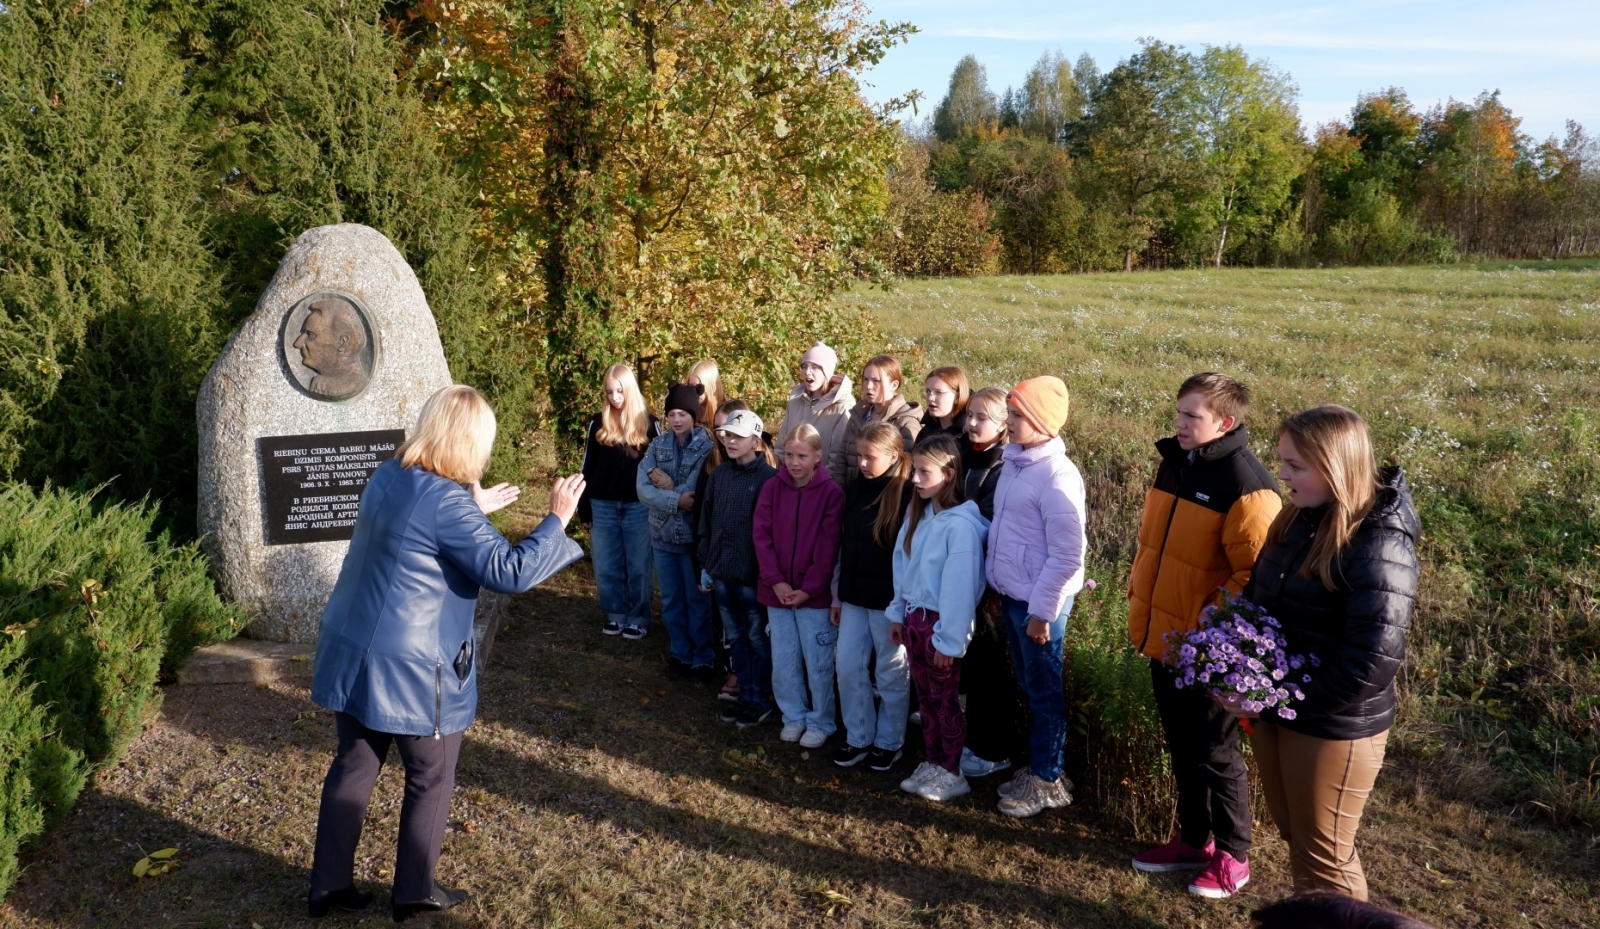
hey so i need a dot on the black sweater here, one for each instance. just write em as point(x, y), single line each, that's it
point(866, 569)
point(981, 474)
point(1357, 630)
point(610, 470)
point(727, 537)
point(930, 426)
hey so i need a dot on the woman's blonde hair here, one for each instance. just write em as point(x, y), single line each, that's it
point(992, 401)
point(1336, 444)
point(805, 432)
point(630, 425)
point(454, 435)
point(886, 438)
point(705, 371)
point(943, 451)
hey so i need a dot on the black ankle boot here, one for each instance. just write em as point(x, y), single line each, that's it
point(443, 899)
point(349, 899)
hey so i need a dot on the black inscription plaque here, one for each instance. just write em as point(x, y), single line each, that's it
point(312, 484)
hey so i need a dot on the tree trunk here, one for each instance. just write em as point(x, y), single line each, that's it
point(578, 310)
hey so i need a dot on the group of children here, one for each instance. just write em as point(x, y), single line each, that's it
point(869, 549)
point(889, 553)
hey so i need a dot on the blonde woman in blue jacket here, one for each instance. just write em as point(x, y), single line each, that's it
point(938, 579)
point(395, 656)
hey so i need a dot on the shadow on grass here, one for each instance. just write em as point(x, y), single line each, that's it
point(83, 876)
point(557, 678)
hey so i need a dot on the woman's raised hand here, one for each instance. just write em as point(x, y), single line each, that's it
point(494, 498)
point(564, 497)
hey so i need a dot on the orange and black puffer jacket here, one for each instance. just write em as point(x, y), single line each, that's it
point(1205, 520)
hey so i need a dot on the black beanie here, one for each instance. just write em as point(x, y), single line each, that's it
point(685, 397)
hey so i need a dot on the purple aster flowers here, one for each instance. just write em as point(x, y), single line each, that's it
point(1240, 650)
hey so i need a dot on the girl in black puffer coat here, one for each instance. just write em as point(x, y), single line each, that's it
point(1340, 572)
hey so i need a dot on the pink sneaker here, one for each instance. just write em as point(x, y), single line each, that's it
point(1176, 855)
point(1224, 875)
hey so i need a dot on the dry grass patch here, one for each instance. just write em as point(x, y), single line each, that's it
point(592, 792)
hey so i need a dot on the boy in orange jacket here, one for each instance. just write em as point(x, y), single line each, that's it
point(1205, 519)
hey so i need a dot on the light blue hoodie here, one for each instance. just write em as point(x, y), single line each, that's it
point(943, 573)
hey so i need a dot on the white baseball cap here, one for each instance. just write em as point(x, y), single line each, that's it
point(743, 423)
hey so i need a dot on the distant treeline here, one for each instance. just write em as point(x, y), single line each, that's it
point(1182, 159)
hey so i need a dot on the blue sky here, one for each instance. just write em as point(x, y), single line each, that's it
point(1543, 55)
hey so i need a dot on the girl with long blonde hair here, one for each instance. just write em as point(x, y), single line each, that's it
point(618, 524)
point(1339, 571)
point(938, 579)
point(705, 375)
point(874, 502)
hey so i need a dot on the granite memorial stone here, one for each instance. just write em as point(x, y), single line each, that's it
point(316, 389)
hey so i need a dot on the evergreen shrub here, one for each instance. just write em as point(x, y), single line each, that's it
point(93, 611)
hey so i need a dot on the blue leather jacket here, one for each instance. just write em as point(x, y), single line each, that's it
point(396, 648)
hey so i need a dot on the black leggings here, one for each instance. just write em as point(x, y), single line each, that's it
point(430, 779)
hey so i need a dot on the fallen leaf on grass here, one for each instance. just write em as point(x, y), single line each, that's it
point(469, 827)
point(643, 700)
point(833, 900)
point(156, 863)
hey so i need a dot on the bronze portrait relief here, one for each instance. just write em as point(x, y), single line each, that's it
point(329, 345)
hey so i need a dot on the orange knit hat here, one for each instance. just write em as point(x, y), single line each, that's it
point(1043, 400)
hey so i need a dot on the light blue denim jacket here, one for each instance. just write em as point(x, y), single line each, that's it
point(670, 526)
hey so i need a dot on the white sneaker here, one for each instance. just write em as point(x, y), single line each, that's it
point(944, 785)
point(814, 738)
point(1035, 795)
point(924, 771)
point(792, 733)
point(973, 766)
point(1010, 787)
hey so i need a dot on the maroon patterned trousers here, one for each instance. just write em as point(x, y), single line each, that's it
point(944, 726)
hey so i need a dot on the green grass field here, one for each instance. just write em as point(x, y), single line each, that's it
point(1482, 381)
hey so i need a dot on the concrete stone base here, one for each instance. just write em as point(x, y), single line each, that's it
point(247, 661)
point(252, 661)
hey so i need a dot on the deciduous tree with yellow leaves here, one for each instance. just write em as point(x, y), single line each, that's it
point(670, 179)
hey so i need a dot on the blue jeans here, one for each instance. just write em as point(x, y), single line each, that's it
point(685, 611)
point(749, 651)
point(619, 541)
point(802, 655)
point(863, 632)
point(1039, 674)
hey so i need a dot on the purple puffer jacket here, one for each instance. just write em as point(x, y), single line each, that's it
point(797, 536)
point(1037, 540)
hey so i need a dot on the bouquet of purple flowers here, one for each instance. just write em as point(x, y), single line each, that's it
point(1239, 651)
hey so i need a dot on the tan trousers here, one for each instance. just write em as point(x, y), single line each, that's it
point(1316, 789)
